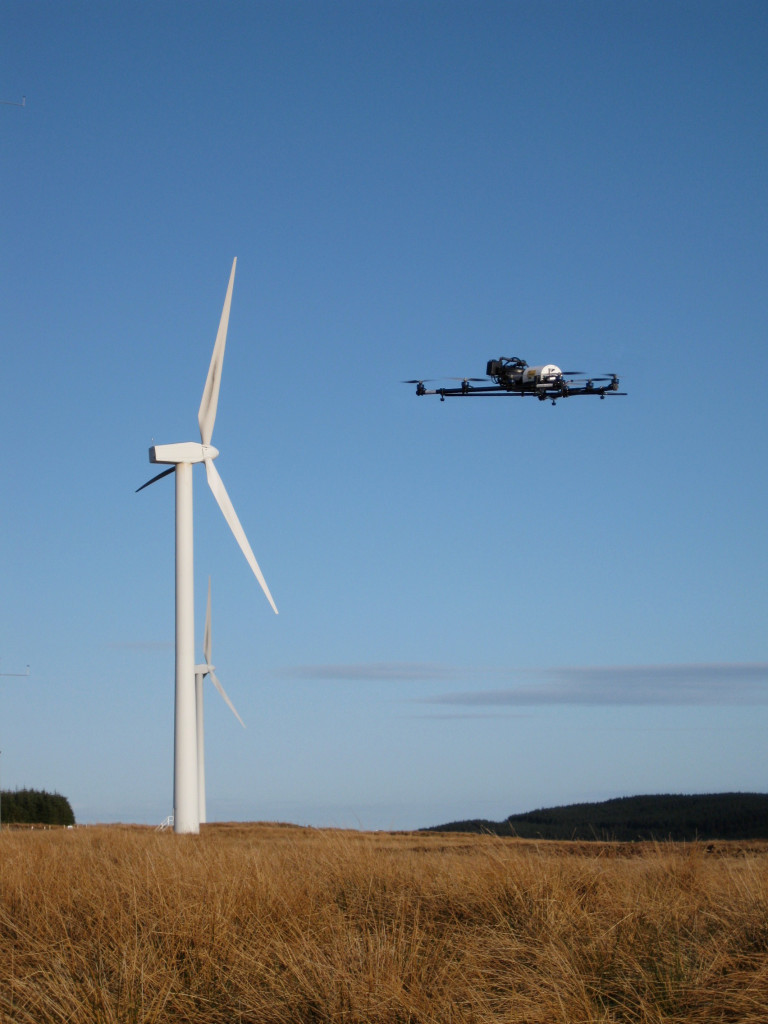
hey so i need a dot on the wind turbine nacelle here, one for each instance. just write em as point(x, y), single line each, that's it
point(185, 451)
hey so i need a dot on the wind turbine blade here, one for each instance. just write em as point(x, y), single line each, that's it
point(220, 688)
point(206, 415)
point(207, 635)
point(155, 478)
point(220, 494)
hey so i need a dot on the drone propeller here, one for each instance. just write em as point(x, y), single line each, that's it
point(572, 373)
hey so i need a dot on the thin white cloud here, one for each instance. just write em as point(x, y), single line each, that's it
point(139, 645)
point(629, 685)
point(453, 716)
point(592, 685)
point(376, 671)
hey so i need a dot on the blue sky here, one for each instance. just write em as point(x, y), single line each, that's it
point(485, 606)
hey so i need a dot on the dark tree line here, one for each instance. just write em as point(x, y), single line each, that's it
point(35, 807)
point(633, 818)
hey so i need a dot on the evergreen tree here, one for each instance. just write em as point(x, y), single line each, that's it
point(35, 807)
point(632, 818)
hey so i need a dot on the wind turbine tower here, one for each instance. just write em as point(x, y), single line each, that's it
point(201, 671)
point(181, 457)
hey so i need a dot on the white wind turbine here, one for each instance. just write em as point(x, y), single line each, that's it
point(181, 457)
point(201, 671)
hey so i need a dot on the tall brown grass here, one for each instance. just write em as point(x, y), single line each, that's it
point(280, 925)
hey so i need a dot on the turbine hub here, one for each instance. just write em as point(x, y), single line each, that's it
point(185, 451)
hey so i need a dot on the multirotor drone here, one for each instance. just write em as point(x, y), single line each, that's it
point(513, 376)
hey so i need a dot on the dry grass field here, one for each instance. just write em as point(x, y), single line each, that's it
point(281, 925)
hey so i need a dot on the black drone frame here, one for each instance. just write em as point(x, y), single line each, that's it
point(507, 373)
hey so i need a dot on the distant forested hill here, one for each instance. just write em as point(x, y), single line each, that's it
point(35, 807)
point(630, 818)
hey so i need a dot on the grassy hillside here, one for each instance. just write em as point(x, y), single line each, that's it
point(632, 818)
point(252, 924)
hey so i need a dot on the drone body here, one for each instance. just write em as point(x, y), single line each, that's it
point(513, 376)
